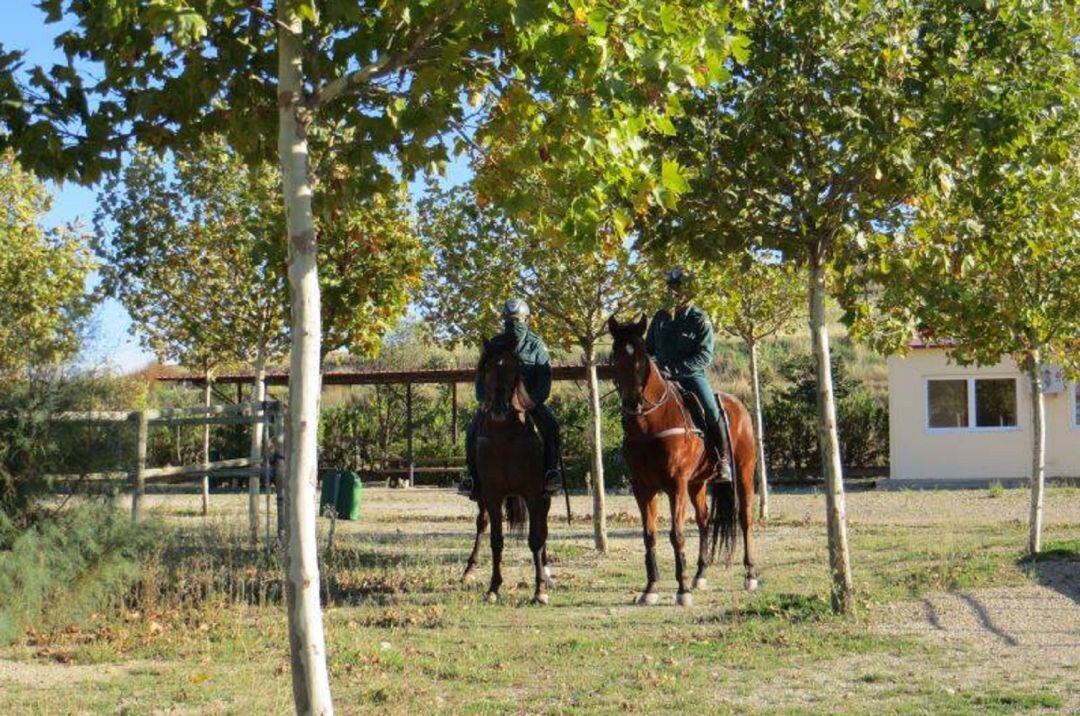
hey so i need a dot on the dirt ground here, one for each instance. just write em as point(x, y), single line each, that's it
point(951, 620)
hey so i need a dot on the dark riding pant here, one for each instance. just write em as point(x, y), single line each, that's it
point(710, 423)
point(547, 426)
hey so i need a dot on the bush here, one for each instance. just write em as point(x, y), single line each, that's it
point(68, 565)
point(791, 418)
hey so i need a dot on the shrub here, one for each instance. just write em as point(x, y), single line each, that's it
point(790, 417)
point(68, 565)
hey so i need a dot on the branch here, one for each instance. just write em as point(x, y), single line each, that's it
point(384, 65)
point(265, 14)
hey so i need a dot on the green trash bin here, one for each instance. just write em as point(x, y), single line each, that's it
point(341, 489)
point(348, 496)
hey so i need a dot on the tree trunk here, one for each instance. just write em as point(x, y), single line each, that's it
point(596, 447)
point(1038, 457)
point(258, 397)
point(311, 681)
point(759, 429)
point(843, 597)
point(206, 445)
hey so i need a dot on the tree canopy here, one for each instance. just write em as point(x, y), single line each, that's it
point(191, 246)
point(44, 304)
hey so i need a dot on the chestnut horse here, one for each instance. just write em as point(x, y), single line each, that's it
point(509, 463)
point(666, 454)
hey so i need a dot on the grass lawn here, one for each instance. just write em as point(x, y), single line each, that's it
point(950, 618)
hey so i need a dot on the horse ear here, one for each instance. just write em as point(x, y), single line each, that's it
point(641, 324)
point(612, 325)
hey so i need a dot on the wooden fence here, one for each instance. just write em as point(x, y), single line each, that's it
point(268, 416)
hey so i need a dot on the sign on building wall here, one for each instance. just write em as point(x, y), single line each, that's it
point(1053, 380)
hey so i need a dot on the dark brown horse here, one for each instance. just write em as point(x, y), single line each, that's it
point(665, 454)
point(510, 467)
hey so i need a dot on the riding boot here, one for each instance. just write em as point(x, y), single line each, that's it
point(471, 484)
point(551, 467)
point(718, 438)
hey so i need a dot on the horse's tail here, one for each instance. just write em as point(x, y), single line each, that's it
point(517, 515)
point(723, 519)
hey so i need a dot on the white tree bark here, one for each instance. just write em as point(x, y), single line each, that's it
point(206, 447)
point(759, 430)
point(1038, 457)
point(596, 447)
point(311, 680)
point(258, 396)
point(843, 598)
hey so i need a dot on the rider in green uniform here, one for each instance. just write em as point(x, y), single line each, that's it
point(536, 374)
point(681, 342)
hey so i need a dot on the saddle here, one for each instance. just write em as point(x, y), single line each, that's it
point(697, 414)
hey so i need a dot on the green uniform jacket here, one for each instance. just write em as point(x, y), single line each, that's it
point(535, 361)
point(683, 343)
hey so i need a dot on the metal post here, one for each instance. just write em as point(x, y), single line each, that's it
point(408, 432)
point(281, 465)
point(267, 462)
point(138, 474)
point(453, 414)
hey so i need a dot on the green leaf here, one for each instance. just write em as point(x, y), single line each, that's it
point(672, 177)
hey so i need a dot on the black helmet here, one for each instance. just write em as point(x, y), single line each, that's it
point(679, 278)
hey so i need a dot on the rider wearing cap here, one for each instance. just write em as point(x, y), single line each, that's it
point(681, 342)
point(536, 374)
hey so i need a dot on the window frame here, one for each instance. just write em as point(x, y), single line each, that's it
point(971, 405)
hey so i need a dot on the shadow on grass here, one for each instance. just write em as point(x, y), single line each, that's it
point(794, 608)
point(1057, 567)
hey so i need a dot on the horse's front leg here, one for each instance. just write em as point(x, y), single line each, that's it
point(646, 499)
point(699, 498)
point(538, 514)
point(481, 527)
point(678, 500)
point(494, 509)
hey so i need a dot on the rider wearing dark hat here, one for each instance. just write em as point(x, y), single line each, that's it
point(536, 374)
point(681, 342)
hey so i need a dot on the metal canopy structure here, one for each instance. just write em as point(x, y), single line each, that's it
point(408, 378)
point(381, 377)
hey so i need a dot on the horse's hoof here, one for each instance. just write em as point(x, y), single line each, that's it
point(686, 599)
point(701, 584)
point(649, 599)
point(750, 584)
point(491, 597)
point(541, 599)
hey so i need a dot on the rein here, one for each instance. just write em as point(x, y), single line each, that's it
point(639, 412)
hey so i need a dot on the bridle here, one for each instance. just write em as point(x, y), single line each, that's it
point(649, 406)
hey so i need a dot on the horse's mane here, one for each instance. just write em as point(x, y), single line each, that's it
point(522, 400)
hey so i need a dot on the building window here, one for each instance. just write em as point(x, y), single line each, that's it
point(995, 403)
point(971, 403)
point(948, 402)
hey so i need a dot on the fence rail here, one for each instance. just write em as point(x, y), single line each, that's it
point(240, 414)
point(264, 415)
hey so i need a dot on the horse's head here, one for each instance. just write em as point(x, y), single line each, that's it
point(629, 360)
point(500, 371)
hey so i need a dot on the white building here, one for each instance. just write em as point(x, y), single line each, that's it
point(949, 422)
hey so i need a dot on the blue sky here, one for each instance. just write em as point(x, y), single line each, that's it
point(23, 28)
